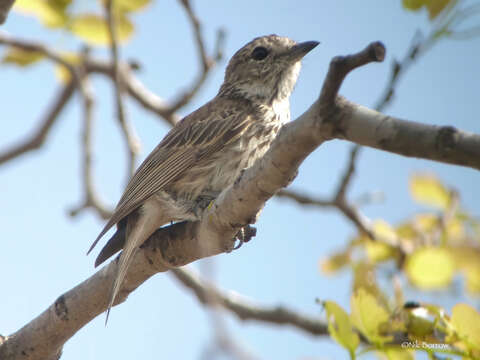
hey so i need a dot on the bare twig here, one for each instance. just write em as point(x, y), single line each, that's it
point(53, 55)
point(417, 46)
point(132, 143)
point(135, 88)
point(247, 310)
point(339, 199)
point(206, 61)
point(340, 66)
point(37, 139)
point(347, 176)
point(91, 199)
point(5, 6)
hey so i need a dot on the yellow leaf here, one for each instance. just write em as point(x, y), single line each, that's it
point(466, 323)
point(21, 57)
point(472, 274)
point(454, 229)
point(430, 267)
point(61, 73)
point(123, 6)
point(427, 190)
point(335, 262)
point(413, 4)
point(406, 231)
point(468, 262)
point(378, 251)
point(93, 29)
point(340, 327)
point(426, 223)
point(399, 354)
point(435, 7)
point(367, 316)
point(50, 13)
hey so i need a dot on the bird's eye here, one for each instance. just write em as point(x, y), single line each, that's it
point(259, 53)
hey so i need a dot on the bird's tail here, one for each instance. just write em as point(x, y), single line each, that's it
point(138, 228)
point(123, 264)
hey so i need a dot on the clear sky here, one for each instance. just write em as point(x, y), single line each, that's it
point(43, 250)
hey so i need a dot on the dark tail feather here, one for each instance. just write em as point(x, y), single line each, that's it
point(114, 245)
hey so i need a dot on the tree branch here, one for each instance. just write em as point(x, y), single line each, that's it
point(370, 128)
point(206, 61)
point(131, 141)
point(339, 199)
point(91, 199)
point(5, 6)
point(135, 88)
point(37, 139)
point(245, 309)
point(178, 244)
point(182, 243)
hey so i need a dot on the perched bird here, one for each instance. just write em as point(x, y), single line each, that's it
point(206, 151)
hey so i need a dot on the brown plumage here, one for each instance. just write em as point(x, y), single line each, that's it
point(206, 151)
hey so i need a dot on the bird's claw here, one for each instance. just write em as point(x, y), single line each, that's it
point(244, 235)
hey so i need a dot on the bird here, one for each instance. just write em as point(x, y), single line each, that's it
point(207, 150)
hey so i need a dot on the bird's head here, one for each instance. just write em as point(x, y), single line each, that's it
point(265, 69)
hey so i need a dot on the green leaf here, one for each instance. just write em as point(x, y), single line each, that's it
point(466, 322)
point(340, 327)
point(51, 13)
point(124, 6)
point(399, 354)
point(428, 190)
point(430, 267)
point(93, 29)
point(367, 316)
point(21, 57)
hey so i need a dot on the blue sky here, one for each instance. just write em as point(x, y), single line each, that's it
point(43, 250)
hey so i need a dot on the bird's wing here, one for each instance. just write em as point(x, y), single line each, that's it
point(196, 137)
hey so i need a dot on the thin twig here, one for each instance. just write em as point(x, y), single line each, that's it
point(135, 88)
point(37, 139)
point(131, 142)
point(207, 62)
point(247, 310)
point(91, 199)
point(339, 199)
point(53, 55)
point(348, 175)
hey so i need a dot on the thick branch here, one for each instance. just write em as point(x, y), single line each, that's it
point(367, 127)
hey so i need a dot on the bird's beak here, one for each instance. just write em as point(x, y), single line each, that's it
point(300, 50)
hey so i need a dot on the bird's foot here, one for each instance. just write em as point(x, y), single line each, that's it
point(244, 235)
